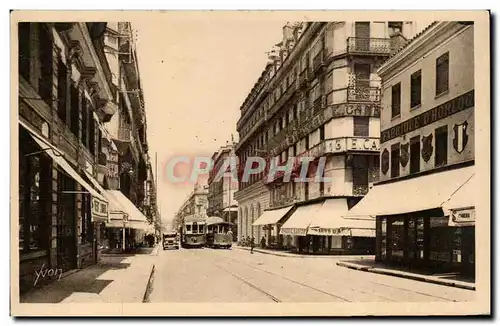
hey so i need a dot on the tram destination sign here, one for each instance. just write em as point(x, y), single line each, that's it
point(437, 113)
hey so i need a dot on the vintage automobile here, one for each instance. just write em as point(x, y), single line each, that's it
point(170, 240)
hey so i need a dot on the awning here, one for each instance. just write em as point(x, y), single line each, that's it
point(116, 211)
point(136, 219)
point(300, 220)
point(99, 203)
point(412, 195)
point(272, 217)
point(329, 221)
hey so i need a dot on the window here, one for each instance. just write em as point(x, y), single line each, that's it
point(45, 51)
point(361, 126)
point(395, 160)
point(306, 190)
point(322, 133)
point(416, 89)
point(75, 110)
point(415, 154)
point(24, 50)
point(395, 27)
point(86, 232)
point(294, 150)
point(307, 142)
point(396, 100)
point(62, 83)
point(441, 155)
point(188, 227)
point(85, 122)
point(442, 73)
point(360, 175)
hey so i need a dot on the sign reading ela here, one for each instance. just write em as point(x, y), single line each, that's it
point(437, 113)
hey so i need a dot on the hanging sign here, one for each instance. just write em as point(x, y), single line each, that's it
point(99, 209)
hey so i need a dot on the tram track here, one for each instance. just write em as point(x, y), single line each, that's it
point(349, 288)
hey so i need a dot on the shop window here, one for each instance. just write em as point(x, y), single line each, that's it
point(34, 183)
point(361, 126)
point(62, 83)
point(416, 89)
point(24, 50)
point(383, 238)
point(442, 73)
point(396, 100)
point(396, 239)
point(415, 238)
point(441, 239)
point(441, 156)
point(395, 160)
point(415, 154)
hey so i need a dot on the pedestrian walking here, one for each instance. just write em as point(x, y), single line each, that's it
point(252, 244)
point(263, 242)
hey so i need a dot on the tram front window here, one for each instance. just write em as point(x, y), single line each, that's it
point(188, 228)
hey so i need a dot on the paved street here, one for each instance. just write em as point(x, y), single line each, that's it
point(208, 275)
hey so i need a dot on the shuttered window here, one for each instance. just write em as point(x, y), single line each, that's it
point(442, 73)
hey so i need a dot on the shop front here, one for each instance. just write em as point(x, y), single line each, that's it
point(270, 222)
point(418, 221)
point(297, 225)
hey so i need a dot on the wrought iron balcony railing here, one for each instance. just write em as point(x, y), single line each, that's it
point(367, 45)
point(303, 77)
point(363, 94)
point(318, 61)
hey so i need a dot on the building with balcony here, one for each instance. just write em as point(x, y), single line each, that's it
point(129, 176)
point(424, 199)
point(221, 189)
point(64, 98)
point(318, 96)
point(196, 204)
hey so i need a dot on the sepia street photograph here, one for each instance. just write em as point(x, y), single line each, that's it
point(250, 163)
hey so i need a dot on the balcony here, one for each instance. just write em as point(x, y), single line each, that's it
point(369, 46)
point(318, 104)
point(304, 77)
point(318, 61)
point(363, 94)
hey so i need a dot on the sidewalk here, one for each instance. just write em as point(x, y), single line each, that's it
point(289, 254)
point(369, 265)
point(115, 279)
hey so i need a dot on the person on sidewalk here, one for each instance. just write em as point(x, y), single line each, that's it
point(263, 243)
point(252, 244)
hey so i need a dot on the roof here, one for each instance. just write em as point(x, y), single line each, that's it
point(418, 35)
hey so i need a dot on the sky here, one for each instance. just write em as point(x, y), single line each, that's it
point(195, 75)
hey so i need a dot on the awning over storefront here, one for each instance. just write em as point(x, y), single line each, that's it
point(136, 220)
point(329, 221)
point(99, 202)
point(300, 220)
point(412, 195)
point(272, 217)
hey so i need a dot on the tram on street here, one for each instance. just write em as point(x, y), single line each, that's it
point(218, 233)
point(192, 232)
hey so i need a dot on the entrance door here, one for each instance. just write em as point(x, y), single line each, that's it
point(66, 213)
point(362, 34)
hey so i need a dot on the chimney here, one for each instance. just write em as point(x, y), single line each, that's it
point(397, 42)
point(287, 32)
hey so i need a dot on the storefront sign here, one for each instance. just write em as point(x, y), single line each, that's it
point(298, 232)
point(329, 231)
point(464, 216)
point(363, 144)
point(357, 110)
point(437, 113)
point(99, 208)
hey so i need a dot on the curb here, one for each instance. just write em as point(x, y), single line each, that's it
point(149, 285)
point(414, 277)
